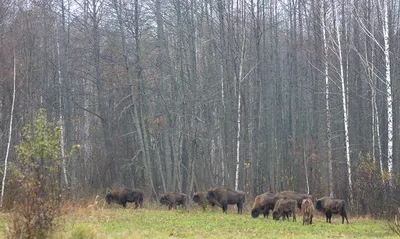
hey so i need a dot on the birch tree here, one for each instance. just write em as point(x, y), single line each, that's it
point(389, 99)
point(9, 135)
point(239, 100)
point(344, 100)
point(328, 112)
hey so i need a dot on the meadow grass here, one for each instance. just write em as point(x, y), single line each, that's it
point(157, 222)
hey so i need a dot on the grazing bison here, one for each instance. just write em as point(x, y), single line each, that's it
point(296, 196)
point(330, 206)
point(123, 195)
point(200, 198)
point(284, 207)
point(265, 202)
point(224, 196)
point(307, 208)
point(172, 199)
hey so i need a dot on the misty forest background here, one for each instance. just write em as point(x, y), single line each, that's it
point(185, 95)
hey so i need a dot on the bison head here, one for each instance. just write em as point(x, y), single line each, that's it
point(196, 197)
point(164, 200)
point(210, 195)
point(255, 212)
point(318, 206)
point(109, 198)
point(275, 215)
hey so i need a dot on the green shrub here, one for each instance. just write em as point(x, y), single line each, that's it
point(35, 175)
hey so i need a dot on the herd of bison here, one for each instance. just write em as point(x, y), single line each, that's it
point(282, 204)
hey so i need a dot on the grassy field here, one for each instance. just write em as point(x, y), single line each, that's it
point(116, 222)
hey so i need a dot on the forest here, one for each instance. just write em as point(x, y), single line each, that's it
point(188, 95)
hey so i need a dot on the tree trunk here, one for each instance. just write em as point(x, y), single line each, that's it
point(9, 134)
point(328, 112)
point(389, 99)
point(344, 101)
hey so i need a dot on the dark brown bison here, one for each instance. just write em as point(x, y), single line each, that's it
point(265, 202)
point(172, 199)
point(307, 208)
point(284, 207)
point(200, 198)
point(224, 196)
point(330, 206)
point(123, 195)
point(296, 196)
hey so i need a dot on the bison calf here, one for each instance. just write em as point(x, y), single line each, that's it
point(172, 199)
point(330, 206)
point(284, 207)
point(264, 203)
point(123, 195)
point(224, 196)
point(307, 208)
point(296, 196)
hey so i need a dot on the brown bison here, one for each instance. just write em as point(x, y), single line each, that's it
point(265, 202)
point(200, 198)
point(172, 199)
point(296, 196)
point(284, 207)
point(224, 196)
point(123, 195)
point(307, 208)
point(330, 206)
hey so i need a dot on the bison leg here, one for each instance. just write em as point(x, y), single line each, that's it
point(294, 217)
point(240, 208)
point(225, 208)
point(311, 216)
point(136, 204)
point(343, 214)
point(329, 217)
point(266, 212)
point(170, 206)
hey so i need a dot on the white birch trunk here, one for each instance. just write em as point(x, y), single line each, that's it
point(239, 115)
point(222, 159)
point(388, 90)
point(221, 135)
point(306, 167)
point(344, 99)
point(238, 139)
point(328, 112)
point(62, 136)
point(9, 137)
point(378, 136)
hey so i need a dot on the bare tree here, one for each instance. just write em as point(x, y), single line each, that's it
point(328, 112)
point(9, 134)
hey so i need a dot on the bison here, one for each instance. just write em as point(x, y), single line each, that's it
point(296, 196)
point(265, 202)
point(123, 195)
point(224, 196)
point(307, 208)
point(330, 206)
point(284, 207)
point(200, 198)
point(172, 199)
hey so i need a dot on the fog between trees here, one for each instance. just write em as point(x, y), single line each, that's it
point(185, 95)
